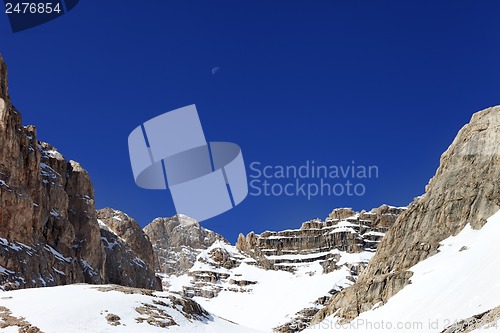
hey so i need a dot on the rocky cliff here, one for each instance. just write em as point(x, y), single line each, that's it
point(130, 260)
point(49, 234)
point(47, 221)
point(465, 190)
point(177, 241)
point(344, 230)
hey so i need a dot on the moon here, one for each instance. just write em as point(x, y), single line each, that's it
point(215, 70)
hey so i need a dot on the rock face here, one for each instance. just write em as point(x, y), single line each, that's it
point(465, 190)
point(49, 234)
point(47, 219)
point(129, 254)
point(344, 230)
point(177, 241)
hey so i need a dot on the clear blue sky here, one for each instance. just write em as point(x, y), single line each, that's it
point(386, 83)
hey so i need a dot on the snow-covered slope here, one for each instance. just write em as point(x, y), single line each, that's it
point(461, 281)
point(246, 291)
point(458, 287)
point(100, 309)
point(276, 295)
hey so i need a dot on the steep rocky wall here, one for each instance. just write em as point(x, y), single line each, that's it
point(130, 260)
point(465, 189)
point(48, 229)
point(49, 234)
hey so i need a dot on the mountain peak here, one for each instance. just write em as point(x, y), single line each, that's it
point(186, 220)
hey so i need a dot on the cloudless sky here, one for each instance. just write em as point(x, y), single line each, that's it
point(385, 83)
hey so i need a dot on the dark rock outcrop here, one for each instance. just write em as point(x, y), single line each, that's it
point(129, 254)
